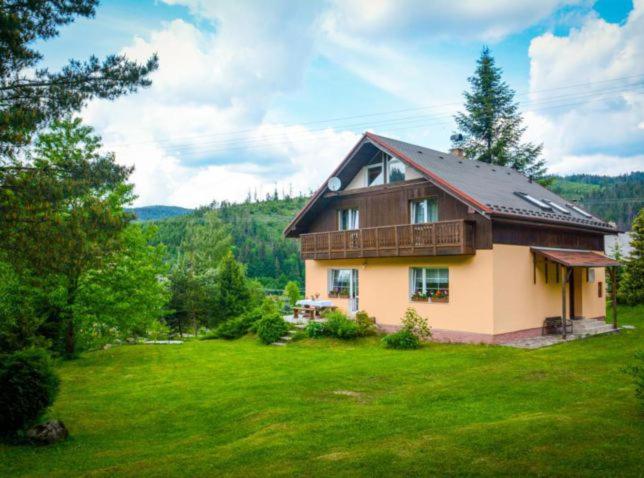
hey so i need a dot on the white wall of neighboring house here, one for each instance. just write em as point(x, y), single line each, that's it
point(624, 241)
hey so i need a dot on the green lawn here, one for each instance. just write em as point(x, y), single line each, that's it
point(216, 408)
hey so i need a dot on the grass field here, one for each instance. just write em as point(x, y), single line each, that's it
point(321, 408)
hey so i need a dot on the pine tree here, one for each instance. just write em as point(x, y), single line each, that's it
point(232, 295)
point(631, 288)
point(492, 126)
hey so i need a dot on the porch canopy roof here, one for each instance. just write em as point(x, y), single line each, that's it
point(575, 257)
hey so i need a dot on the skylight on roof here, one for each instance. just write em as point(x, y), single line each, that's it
point(534, 200)
point(557, 207)
point(580, 211)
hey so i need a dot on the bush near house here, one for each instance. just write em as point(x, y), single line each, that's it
point(401, 340)
point(271, 327)
point(415, 329)
point(28, 386)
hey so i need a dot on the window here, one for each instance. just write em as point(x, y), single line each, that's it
point(343, 283)
point(424, 210)
point(581, 211)
point(375, 175)
point(348, 219)
point(429, 284)
point(557, 207)
point(395, 170)
point(600, 289)
point(534, 201)
point(590, 275)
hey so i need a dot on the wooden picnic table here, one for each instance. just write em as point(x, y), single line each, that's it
point(312, 309)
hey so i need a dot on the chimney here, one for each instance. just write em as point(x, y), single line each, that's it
point(457, 152)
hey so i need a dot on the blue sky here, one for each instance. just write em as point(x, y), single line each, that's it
point(254, 94)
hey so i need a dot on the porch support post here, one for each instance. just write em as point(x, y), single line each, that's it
point(613, 294)
point(563, 302)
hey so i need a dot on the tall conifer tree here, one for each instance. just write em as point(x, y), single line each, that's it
point(491, 127)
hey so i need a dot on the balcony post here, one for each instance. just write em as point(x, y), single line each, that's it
point(377, 242)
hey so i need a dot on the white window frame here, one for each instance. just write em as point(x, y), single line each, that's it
point(373, 166)
point(352, 287)
point(354, 219)
point(388, 165)
point(426, 219)
point(424, 280)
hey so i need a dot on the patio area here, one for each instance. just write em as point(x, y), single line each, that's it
point(582, 328)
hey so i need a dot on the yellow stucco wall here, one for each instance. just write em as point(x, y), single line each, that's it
point(491, 292)
point(384, 289)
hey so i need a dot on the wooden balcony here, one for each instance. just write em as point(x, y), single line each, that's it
point(431, 239)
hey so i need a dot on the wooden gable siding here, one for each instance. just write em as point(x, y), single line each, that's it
point(389, 205)
point(520, 233)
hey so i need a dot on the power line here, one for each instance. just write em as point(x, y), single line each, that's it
point(382, 113)
point(213, 147)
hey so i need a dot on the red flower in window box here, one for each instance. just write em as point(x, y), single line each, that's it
point(440, 295)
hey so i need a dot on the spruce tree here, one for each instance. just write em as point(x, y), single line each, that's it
point(232, 295)
point(491, 128)
point(631, 289)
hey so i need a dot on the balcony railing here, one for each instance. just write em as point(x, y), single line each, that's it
point(431, 239)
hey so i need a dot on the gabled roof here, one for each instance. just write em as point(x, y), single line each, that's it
point(489, 189)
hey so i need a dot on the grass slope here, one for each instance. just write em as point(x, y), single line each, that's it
point(216, 408)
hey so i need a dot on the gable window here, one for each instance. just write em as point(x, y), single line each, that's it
point(395, 170)
point(348, 219)
point(375, 175)
point(423, 210)
point(429, 284)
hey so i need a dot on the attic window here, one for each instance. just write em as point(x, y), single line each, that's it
point(580, 211)
point(534, 200)
point(557, 207)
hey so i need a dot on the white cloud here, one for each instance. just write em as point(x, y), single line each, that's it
point(604, 116)
point(464, 19)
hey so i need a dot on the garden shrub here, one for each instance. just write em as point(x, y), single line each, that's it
point(28, 385)
point(366, 325)
point(417, 325)
point(316, 330)
point(237, 327)
point(402, 340)
point(271, 327)
point(340, 326)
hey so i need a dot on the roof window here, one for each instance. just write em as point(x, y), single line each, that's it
point(580, 211)
point(557, 207)
point(534, 200)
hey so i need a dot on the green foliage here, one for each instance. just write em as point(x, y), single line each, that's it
point(190, 301)
point(158, 330)
point(70, 198)
point(205, 244)
point(636, 370)
point(271, 327)
point(232, 296)
point(404, 339)
point(340, 326)
point(292, 291)
point(366, 324)
point(28, 386)
point(32, 96)
point(415, 324)
point(631, 289)
point(239, 326)
point(315, 330)
point(126, 295)
point(492, 126)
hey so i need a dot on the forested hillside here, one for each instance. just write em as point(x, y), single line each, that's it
point(155, 213)
point(613, 198)
point(256, 230)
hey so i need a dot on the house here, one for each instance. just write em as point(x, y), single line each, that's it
point(483, 251)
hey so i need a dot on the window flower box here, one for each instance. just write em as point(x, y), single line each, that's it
point(440, 296)
point(419, 297)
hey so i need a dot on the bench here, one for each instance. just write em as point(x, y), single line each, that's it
point(552, 325)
